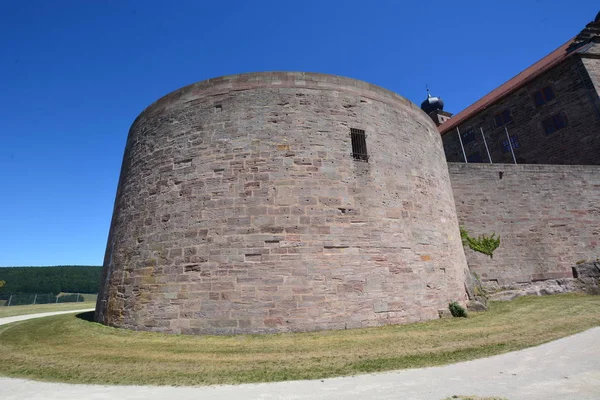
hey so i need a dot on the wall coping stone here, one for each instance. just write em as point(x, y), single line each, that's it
point(278, 79)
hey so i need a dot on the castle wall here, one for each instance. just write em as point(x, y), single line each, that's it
point(548, 217)
point(576, 98)
point(591, 61)
point(240, 208)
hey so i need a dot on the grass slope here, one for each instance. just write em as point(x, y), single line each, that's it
point(70, 349)
point(42, 308)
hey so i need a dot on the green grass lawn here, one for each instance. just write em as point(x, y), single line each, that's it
point(41, 308)
point(70, 349)
point(87, 297)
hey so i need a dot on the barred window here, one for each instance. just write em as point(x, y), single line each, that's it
point(359, 144)
point(514, 142)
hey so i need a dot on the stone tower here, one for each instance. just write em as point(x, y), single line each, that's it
point(272, 202)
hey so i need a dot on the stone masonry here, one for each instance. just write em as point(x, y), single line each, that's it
point(240, 209)
point(576, 84)
point(548, 217)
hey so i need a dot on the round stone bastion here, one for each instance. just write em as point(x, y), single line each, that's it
point(281, 201)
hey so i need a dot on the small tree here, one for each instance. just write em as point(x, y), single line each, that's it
point(482, 244)
point(2, 283)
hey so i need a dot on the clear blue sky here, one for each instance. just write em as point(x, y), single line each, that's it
point(75, 74)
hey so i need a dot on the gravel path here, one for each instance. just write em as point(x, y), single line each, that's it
point(567, 368)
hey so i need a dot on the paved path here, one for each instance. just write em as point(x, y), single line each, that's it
point(8, 320)
point(567, 368)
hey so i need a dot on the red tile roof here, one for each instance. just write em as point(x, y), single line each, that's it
point(546, 63)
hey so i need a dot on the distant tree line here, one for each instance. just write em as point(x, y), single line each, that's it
point(50, 280)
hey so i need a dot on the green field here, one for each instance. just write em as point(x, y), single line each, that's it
point(42, 308)
point(71, 349)
point(87, 297)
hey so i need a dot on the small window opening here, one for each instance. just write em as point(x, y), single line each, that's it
point(514, 143)
point(543, 96)
point(359, 144)
point(468, 136)
point(538, 98)
point(554, 123)
point(218, 108)
point(502, 118)
point(548, 93)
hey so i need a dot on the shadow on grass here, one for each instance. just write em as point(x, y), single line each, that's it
point(86, 316)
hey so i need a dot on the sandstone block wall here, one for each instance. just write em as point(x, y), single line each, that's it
point(241, 209)
point(548, 217)
point(590, 58)
point(576, 97)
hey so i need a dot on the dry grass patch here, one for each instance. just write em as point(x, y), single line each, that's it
point(70, 349)
point(42, 308)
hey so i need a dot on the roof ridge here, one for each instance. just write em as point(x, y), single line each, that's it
point(508, 87)
point(591, 33)
point(587, 34)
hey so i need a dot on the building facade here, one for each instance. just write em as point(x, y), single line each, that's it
point(547, 215)
point(547, 114)
point(274, 202)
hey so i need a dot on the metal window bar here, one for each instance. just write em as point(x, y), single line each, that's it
point(486, 146)
point(359, 144)
point(461, 145)
point(511, 146)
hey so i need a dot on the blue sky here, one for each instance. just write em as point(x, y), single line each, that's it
point(75, 74)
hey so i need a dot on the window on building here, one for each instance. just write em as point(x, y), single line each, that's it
point(502, 118)
point(474, 158)
point(468, 136)
point(543, 96)
point(554, 123)
point(359, 144)
point(514, 142)
point(548, 93)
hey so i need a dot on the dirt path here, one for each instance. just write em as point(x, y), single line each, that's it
point(567, 368)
